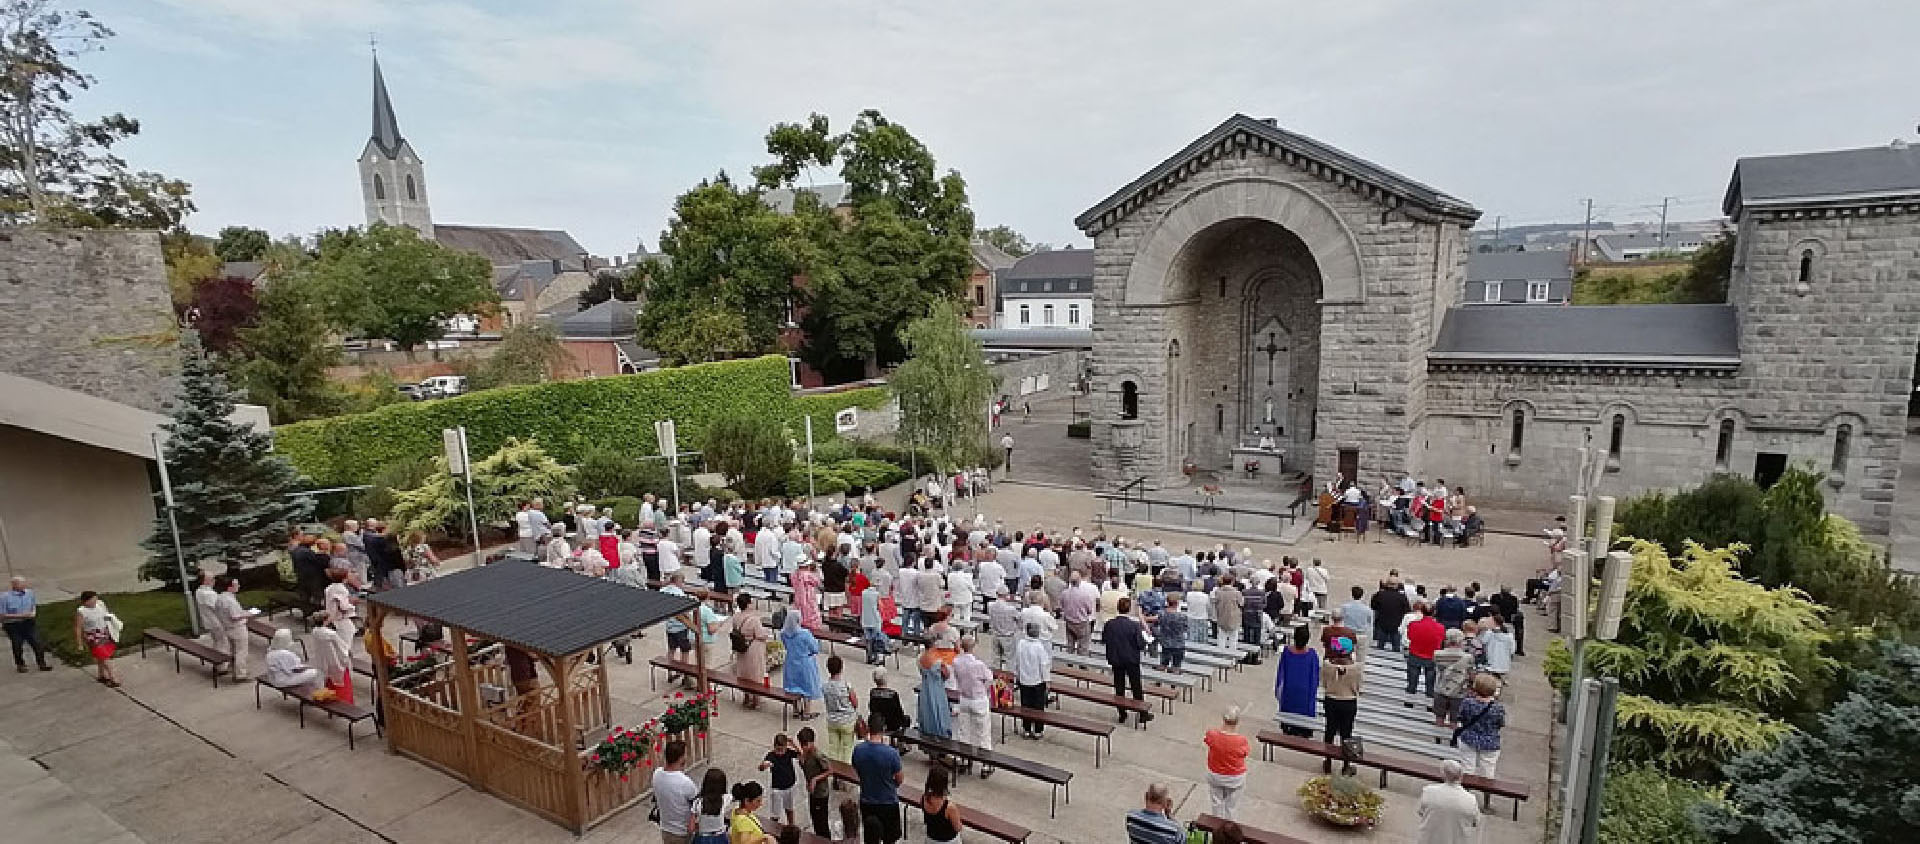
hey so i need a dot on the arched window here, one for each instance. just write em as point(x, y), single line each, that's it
point(379, 187)
point(1614, 436)
point(412, 194)
point(1518, 436)
point(1842, 444)
point(1219, 418)
point(1806, 265)
point(1723, 447)
point(1129, 400)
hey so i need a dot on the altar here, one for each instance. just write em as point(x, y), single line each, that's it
point(1267, 462)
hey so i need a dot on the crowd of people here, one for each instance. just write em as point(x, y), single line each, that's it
point(1410, 508)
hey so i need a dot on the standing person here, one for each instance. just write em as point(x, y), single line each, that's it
point(1496, 646)
point(673, 795)
point(709, 822)
point(1006, 447)
point(806, 593)
point(817, 776)
point(1003, 623)
point(800, 674)
point(1508, 606)
point(972, 723)
point(19, 614)
point(1226, 763)
point(1153, 823)
point(1171, 630)
point(960, 592)
point(1227, 603)
point(1316, 581)
point(873, 628)
point(935, 713)
point(1453, 670)
point(1297, 682)
point(337, 602)
point(233, 619)
point(878, 766)
point(833, 583)
point(524, 537)
point(1125, 640)
point(843, 709)
point(204, 601)
point(1032, 662)
point(1077, 606)
point(97, 628)
point(1358, 615)
point(784, 785)
point(1389, 607)
point(1449, 814)
point(748, 639)
point(1425, 637)
point(1340, 677)
point(1481, 719)
point(938, 813)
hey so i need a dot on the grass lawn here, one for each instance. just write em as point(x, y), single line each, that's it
point(162, 608)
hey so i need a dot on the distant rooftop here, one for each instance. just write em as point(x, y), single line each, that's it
point(1547, 265)
point(781, 199)
point(1834, 177)
point(503, 245)
point(1652, 335)
point(1000, 339)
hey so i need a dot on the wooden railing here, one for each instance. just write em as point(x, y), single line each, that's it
point(426, 730)
point(531, 773)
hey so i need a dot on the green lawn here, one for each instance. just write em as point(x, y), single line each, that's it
point(162, 608)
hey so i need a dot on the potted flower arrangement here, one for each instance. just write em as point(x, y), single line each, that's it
point(688, 713)
point(413, 667)
point(1341, 800)
point(623, 750)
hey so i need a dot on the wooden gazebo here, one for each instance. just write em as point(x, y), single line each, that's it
point(526, 742)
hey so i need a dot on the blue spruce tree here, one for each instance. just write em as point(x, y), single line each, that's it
point(231, 493)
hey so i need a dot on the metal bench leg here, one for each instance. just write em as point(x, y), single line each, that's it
point(1516, 808)
point(256, 693)
point(349, 735)
point(302, 709)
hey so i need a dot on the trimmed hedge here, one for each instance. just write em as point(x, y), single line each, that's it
point(876, 474)
point(823, 406)
point(566, 417)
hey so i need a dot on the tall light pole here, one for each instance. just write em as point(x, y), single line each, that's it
point(173, 524)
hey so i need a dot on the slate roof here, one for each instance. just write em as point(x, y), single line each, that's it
point(781, 199)
point(609, 320)
point(386, 127)
point(547, 611)
point(1267, 130)
point(1691, 335)
point(1530, 266)
point(1832, 177)
point(249, 270)
point(991, 257)
point(502, 245)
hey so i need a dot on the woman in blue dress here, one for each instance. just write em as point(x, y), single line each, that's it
point(1297, 683)
point(800, 674)
point(936, 712)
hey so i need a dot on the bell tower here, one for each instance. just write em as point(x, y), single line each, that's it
point(393, 180)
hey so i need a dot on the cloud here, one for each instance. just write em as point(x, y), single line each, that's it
point(291, 19)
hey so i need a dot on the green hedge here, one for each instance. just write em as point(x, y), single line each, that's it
point(822, 407)
point(869, 473)
point(567, 417)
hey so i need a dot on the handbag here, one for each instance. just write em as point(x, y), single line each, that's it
point(1352, 748)
point(738, 639)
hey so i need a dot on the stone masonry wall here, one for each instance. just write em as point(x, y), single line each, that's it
point(1061, 368)
point(1370, 355)
point(88, 310)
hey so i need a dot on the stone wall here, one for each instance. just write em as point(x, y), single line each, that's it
point(89, 310)
point(1062, 370)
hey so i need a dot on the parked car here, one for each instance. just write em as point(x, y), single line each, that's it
point(411, 391)
point(443, 386)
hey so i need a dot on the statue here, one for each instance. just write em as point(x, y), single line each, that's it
point(1268, 418)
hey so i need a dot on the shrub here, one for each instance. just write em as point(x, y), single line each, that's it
point(755, 457)
point(1644, 806)
point(894, 454)
point(869, 474)
point(823, 406)
point(606, 472)
point(833, 450)
point(568, 417)
point(825, 480)
point(390, 481)
point(520, 470)
point(624, 509)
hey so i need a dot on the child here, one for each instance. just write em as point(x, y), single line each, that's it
point(813, 767)
point(782, 759)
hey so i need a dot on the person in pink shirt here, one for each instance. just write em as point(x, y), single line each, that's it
point(1077, 606)
point(806, 593)
point(973, 680)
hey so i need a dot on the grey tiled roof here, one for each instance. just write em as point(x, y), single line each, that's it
point(544, 610)
point(1053, 263)
point(1033, 338)
point(1413, 192)
point(1531, 266)
point(990, 256)
point(502, 245)
point(1836, 176)
point(1626, 334)
point(386, 127)
point(612, 320)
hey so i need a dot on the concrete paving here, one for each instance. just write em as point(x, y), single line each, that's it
point(169, 758)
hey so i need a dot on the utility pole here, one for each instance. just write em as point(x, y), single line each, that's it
point(1496, 231)
point(1663, 220)
point(1586, 233)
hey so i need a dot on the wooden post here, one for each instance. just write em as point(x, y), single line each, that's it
point(467, 696)
point(699, 657)
point(560, 669)
point(376, 621)
point(606, 695)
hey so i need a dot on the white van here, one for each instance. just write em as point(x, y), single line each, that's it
point(442, 386)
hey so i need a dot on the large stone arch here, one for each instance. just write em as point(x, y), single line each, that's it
point(1328, 238)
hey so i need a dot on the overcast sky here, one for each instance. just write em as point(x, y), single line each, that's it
point(592, 115)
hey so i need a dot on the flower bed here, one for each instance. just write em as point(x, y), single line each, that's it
point(1341, 800)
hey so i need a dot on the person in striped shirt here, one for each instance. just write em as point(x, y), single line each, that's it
point(1154, 823)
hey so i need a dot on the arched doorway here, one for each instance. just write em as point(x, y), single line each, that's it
point(1249, 293)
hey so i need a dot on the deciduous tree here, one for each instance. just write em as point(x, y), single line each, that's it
point(46, 154)
point(240, 243)
point(944, 388)
point(221, 309)
point(285, 355)
point(527, 354)
point(1004, 238)
point(730, 254)
point(753, 455)
point(387, 282)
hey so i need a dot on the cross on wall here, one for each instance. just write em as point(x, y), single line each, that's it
point(1272, 348)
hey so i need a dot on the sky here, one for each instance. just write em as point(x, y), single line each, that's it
point(592, 115)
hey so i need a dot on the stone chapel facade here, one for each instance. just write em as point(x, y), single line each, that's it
point(1260, 282)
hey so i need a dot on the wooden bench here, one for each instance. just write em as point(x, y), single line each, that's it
point(1161, 693)
point(1254, 835)
point(1102, 731)
point(291, 602)
point(789, 701)
point(1055, 778)
point(265, 629)
point(210, 657)
point(1374, 734)
point(1429, 771)
point(857, 641)
point(970, 818)
point(353, 713)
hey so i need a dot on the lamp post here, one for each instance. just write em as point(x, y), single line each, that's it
point(173, 525)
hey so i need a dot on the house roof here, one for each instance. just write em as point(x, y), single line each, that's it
point(76, 416)
point(781, 199)
point(1051, 263)
point(1691, 335)
point(544, 610)
point(249, 270)
point(1835, 177)
point(386, 127)
point(1240, 131)
point(1532, 266)
point(502, 245)
point(1613, 247)
point(991, 257)
point(1033, 338)
point(523, 281)
point(609, 320)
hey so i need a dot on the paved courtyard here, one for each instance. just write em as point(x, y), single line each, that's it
point(168, 758)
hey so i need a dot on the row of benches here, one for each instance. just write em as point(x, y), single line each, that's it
point(217, 660)
point(1430, 771)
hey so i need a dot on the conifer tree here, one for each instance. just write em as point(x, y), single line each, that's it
point(231, 493)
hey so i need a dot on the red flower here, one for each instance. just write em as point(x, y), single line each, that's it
point(623, 777)
point(700, 735)
point(679, 695)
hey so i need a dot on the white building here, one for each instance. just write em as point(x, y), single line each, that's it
point(1051, 289)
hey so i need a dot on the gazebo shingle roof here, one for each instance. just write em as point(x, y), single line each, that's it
point(544, 610)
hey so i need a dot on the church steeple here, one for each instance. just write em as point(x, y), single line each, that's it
point(386, 127)
point(393, 179)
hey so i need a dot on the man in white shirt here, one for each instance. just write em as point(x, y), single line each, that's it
point(906, 599)
point(1034, 614)
point(766, 553)
point(646, 510)
point(1449, 814)
point(702, 546)
point(1318, 582)
point(935, 496)
point(673, 794)
point(960, 592)
point(523, 527)
point(586, 526)
point(992, 577)
point(669, 554)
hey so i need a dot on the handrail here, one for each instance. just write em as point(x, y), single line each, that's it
point(1199, 505)
point(1122, 491)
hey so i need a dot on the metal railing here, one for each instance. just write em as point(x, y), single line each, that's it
point(1282, 519)
point(1130, 486)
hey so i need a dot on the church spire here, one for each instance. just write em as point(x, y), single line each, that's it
point(386, 128)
